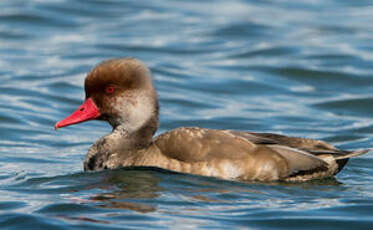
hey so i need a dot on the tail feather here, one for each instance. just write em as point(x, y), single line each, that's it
point(342, 160)
point(352, 154)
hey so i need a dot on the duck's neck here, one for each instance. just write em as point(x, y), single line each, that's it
point(136, 123)
point(120, 144)
point(137, 139)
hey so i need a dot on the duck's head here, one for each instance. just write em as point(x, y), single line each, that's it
point(121, 92)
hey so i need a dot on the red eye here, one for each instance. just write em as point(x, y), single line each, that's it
point(110, 89)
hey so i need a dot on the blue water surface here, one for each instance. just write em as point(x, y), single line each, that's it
point(300, 68)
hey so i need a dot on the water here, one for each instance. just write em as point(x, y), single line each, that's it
point(301, 68)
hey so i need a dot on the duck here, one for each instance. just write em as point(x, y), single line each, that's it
point(120, 91)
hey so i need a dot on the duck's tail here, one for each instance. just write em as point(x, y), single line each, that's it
point(350, 154)
point(343, 159)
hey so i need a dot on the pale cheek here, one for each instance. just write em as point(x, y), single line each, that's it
point(119, 108)
point(141, 111)
point(133, 111)
point(121, 105)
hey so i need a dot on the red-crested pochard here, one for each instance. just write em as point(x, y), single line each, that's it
point(120, 91)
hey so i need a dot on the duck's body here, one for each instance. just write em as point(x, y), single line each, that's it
point(120, 91)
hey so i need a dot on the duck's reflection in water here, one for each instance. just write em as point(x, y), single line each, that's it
point(128, 184)
point(139, 189)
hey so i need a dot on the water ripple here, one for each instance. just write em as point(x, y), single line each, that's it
point(298, 68)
